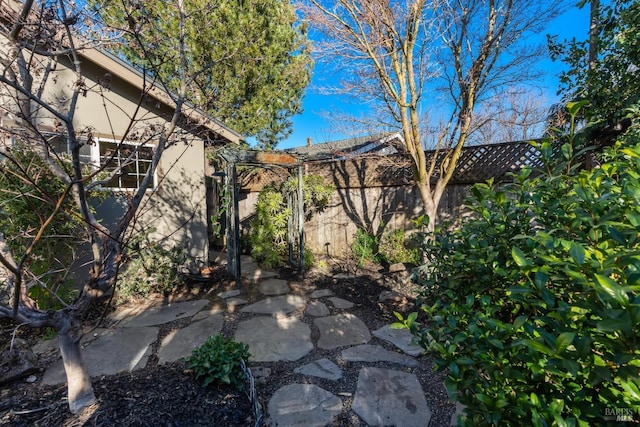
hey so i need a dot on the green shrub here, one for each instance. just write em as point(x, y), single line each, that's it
point(268, 231)
point(151, 269)
point(309, 259)
point(394, 248)
point(365, 248)
point(28, 196)
point(219, 359)
point(533, 305)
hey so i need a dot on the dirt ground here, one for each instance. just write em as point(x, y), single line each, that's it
point(169, 395)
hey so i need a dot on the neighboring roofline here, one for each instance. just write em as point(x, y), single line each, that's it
point(135, 77)
point(350, 147)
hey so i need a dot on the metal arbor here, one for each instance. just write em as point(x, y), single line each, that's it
point(232, 158)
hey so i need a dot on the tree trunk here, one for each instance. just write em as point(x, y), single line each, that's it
point(430, 206)
point(79, 388)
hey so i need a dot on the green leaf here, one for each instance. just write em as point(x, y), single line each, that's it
point(577, 253)
point(612, 325)
point(612, 289)
point(574, 107)
point(541, 279)
point(397, 325)
point(496, 343)
point(534, 400)
point(411, 318)
point(519, 321)
point(537, 346)
point(617, 235)
point(631, 388)
point(633, 218)
point(564, 340)
point(464, 361)
point(519, 257)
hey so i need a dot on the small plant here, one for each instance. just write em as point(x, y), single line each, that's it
point(152, 269)
point(365, 248)
point(394, 248)
point(219, 359)
point(309, 259)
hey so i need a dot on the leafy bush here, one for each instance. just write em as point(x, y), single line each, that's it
point(394, 248)
point(365, 248)
point(219, 359)
point(268, 230)
point(151, 269)
point(24, 207)
point(533, 305)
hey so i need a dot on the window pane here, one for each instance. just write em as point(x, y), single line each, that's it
point(145, 153)
point(136, 160)
point(59, 145)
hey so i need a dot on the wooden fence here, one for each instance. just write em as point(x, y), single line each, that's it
point(376, 194)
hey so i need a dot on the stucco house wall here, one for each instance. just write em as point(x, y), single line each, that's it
point(174, 210)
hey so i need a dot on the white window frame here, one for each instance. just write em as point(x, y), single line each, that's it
point(96, 160)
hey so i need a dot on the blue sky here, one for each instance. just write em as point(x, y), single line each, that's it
point(311, 123)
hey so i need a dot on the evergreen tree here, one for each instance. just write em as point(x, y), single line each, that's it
point(249, 58)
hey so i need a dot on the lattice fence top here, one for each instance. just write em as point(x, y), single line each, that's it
point(482, 162)
point(476, 164)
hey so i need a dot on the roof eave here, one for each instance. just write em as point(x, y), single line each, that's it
point(134, 77)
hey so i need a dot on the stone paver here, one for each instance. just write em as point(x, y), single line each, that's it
point(320, 293)
point(401, 338)
point(115, 350)
point(205, 314)
point(274, 305)
point(386, 397)
point(341, 330)
point(229, 294)
point(340, 303)
point(273, 287)
point(376, 353)
point(321, 368)
point(252, 272)
point(151, 316)
point(274, 339)
point(391, 296)
point(232, 303)
point(303, 405)
point(317, 309)
point(181, 342)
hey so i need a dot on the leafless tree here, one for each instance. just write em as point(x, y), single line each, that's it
point(515, 114)
point(436, 59)
point(37, 39)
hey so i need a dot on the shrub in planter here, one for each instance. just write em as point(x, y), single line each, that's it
point(533, 305)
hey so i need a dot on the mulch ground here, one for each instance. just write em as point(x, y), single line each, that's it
point(169, 395)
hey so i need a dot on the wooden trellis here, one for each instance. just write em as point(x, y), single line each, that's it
point(233, 158)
